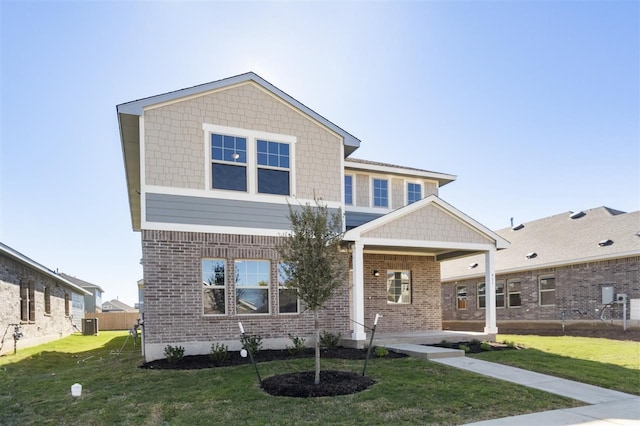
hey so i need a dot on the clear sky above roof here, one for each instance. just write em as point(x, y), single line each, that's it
point(534, 105)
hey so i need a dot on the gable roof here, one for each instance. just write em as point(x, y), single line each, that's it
point(558, 240)
point(81, 283)
point(21, 258)
point(128, 121)
point(118, 306)
point(405, 229)
point(375, 166)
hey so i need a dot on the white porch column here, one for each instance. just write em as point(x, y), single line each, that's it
point(490, 292)
point(358, 292)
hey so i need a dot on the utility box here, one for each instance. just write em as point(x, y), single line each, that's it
point(90, 326)
point(621, 298)
point(607, 295)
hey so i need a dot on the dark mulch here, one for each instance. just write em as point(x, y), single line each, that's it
point(195, 362)
point(301, 385)
point(295, 384)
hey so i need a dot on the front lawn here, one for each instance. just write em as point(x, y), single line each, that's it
point(35, 389)
point(612, 364)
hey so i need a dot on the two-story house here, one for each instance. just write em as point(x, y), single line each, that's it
point(211, 171)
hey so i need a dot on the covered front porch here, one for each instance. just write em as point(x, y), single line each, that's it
point(396, 272)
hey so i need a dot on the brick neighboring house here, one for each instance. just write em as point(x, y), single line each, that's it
point(92, 301)
point(44, 304)
point(210, 172)
point(563, 267)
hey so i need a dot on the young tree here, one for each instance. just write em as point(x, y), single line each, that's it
point(312, 261)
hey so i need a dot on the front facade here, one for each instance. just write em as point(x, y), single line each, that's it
point(42, 304)
point(211, 171)
point(567, 267)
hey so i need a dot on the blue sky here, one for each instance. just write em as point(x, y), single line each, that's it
point(534, 105)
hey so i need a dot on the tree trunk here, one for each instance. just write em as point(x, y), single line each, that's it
point(316, 324)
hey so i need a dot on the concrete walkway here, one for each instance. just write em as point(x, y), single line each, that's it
point(608, 407)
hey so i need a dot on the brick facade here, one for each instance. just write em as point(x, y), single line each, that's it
point(46, 326)
point(423, 313)
point(173, 298)
point(578, 292)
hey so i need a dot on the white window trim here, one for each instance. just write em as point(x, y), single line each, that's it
point(540, 291)
point(410, 302)
point(226, 289)
point(353, 190)
point(389, 192)
point(268, 288)
point(252, 137)
point(406, 189)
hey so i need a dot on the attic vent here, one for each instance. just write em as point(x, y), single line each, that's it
point(532, 255)
point(473, 265)
point(518, 227)
point(605, 243)
point(577, 215)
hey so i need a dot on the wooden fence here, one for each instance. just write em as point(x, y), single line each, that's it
point(115, 320)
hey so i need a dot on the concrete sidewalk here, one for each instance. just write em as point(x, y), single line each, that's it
point(608, 407)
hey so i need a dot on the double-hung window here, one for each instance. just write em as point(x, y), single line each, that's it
point(228, 162)
point(273, 167)
point(482, 296)
point(499, 294)
point(213, 287)
point(461, 297)
point(348, 190)
point(547, 286)
point(27, 301)
point(398, 287)
point(252, 278)
point(414, 192)
point(514, 289)
point(47, 300)
point(380, 192)
point(287, 296)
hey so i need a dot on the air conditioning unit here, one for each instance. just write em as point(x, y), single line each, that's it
point(90, 326)
point(621, 298)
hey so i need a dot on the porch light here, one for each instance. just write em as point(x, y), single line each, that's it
point(376, 273)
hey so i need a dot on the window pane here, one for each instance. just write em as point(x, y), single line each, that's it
point(380, 193)
point(547, 283)
point(252, 301)
point(214, 301)
point(500, 294)
point(273, 181)
point(216, 141)
point(398, 287)
point(481, 296)
point(514, 299)
point(348, 189)
point(225, 176)
point(414, 192)
point(213, 287)
point(288, 301)
point(548, 298)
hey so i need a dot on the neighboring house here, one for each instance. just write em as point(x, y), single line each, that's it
point(92, 301)
point(42, 303)
point(210, 173)
point(115, 305)
point(565, 267)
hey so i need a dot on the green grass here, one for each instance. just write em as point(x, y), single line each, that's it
point(35, 389)
point(612, 364)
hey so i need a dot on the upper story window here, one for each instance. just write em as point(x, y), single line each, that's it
point(229, 162)
point(414, 192)
point(248, 161)
point(380, 192)
point(348, 189)
point(273, 167)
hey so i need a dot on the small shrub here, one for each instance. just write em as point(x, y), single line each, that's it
point(219, 353)
point(486, 346)
point(174, 354)
point(298, 345)
point(381, 351)
point(475, 342)
point(252, 344)
point(465, 348)
point(329, 340)
point(511, 345)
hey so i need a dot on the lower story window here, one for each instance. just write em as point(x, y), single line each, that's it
point(399, 287)
point(47, 300)
point(287, 296)
point(213, 287)
point(482, 296)
point(500, 294)
point(514, 289)
point(27, 301)
point(252, 278)
point(547, 288)
point(67, 304)
point(461, 297)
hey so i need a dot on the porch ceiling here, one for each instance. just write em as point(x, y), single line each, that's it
point(440, 254)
